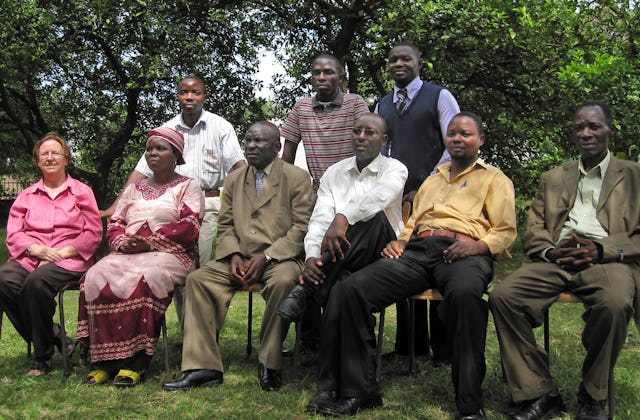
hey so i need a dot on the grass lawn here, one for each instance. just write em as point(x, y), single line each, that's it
point(428, 394)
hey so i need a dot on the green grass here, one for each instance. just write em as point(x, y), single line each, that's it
point(428, 394)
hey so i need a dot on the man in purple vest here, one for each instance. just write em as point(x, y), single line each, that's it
point(417, 115)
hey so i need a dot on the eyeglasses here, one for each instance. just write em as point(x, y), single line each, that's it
point(367, 131)
point(46, 155)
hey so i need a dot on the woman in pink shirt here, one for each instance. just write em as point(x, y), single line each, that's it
point(52, 232)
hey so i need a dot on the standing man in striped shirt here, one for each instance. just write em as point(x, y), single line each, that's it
point(323, 123)
point(211, 150)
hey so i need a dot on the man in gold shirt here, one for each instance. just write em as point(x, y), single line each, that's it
point(463, 216)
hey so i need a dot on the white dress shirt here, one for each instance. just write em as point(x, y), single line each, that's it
point(358, 196)
point(211, 149)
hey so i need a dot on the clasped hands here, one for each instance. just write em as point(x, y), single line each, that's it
point(47, 254)
point(574, 254)
point(246, 274)
point(134, 245)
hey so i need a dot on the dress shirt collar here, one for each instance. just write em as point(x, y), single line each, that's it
point(445, 168)
point(602, 166)
point(71, 186)
point(412, 89)
point(201, 120)
point(266, 170)
point(374, 166)
point(337, 101)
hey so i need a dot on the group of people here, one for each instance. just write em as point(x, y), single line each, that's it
point(333, 248)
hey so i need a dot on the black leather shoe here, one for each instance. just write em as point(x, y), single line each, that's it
point(588, 408)
point(547, 406)
point(292, 307)
point(478, 415)
point(350, 406)
point(320, 400)
point(303, 349)
point(269, 378)
point(194, 379)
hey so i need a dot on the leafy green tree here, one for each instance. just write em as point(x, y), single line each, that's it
point(104, 72)
point(522, 65)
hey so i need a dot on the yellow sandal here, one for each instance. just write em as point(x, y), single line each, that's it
point(97, 377)
point(127, 378)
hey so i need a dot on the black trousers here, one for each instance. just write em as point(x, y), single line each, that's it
point(429, 330)
point(367, 240)
point(28, 300)
point(347, 361)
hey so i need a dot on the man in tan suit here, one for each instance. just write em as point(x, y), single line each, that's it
point(582, 237)
point(263, 220)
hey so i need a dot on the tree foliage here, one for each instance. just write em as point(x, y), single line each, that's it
point(102, 72)
point(522, 65)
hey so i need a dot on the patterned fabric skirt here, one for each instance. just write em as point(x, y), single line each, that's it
point(121, 310)
point(120, 328)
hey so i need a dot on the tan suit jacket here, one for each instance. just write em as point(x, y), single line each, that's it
point(274, 222)
point(618, 212)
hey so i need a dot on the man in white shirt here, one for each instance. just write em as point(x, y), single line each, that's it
point(211, 150)
point(357, 212)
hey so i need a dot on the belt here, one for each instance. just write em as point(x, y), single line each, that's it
point(448, 233)
point(213, 192)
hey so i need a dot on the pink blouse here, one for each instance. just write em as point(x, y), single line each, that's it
point(71, 218)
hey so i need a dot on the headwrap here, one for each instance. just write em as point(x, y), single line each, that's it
point(175, 138)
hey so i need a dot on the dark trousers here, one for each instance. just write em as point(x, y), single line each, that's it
point(367, 240)
point(347, 361)
point(429, 330)
point(28, 300)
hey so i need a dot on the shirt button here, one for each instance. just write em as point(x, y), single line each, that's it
point(253, 231)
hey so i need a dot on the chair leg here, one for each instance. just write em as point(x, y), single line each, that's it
point(611, 396)
point(66, 363)
point(297, 346)
point(380, 338)
point(165, 344)
point(546, 331)
point(412, 334)
point(249, 320)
